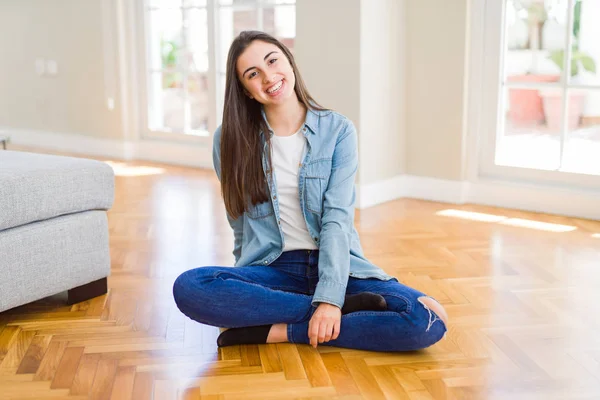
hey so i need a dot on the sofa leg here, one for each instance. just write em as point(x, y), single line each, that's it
point(88, 291)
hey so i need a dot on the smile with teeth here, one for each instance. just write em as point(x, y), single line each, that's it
point(275, 87)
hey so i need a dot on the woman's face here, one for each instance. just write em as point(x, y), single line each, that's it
point(266, 73)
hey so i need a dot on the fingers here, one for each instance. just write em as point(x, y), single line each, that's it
point(336, 330)
point(322, 332)
point(317, 332)
point(313, 333)
point(325, 332)
point(324, 324)
point(329, 332)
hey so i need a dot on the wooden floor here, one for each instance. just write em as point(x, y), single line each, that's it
point(521, 290)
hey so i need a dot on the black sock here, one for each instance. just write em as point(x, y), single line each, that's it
point(246, 335)
point(365, 301)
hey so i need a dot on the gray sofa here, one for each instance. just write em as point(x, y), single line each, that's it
point(53, 227)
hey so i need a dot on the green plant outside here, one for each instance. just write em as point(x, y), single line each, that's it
point(169, 51)
point(578, 58)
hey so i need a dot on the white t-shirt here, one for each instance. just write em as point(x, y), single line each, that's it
point(288, 152)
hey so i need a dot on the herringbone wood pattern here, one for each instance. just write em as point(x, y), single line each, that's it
point(523, 306)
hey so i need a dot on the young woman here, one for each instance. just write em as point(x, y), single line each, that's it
point(287, 168)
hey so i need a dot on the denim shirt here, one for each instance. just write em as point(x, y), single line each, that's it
point(327, 198)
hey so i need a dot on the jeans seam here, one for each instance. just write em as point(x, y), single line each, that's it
point(370, 313)
point(280, 288)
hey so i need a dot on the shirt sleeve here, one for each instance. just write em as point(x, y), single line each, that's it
point(338, 221)
point(238, 223)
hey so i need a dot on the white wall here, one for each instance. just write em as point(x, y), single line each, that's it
point(327, 51)
point(436, 56)
point(382, 90)
point(74, 100)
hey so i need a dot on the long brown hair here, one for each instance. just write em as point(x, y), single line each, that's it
point(242, 177)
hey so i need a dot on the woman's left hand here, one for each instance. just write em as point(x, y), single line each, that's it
point(324, 324)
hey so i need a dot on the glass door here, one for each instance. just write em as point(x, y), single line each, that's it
point(542, 94)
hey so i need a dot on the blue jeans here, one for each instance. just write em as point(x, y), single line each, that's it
point(282, 292)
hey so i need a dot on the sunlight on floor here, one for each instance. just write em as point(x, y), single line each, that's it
point(471, 215)
point(122, 169)
point(518, 222)
point(542, 226)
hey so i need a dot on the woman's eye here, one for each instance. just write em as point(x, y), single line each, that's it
point(272, 61)
point(252, 75)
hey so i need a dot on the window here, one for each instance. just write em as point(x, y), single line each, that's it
point(544, 113)
point(186, 50)
point(178, 60)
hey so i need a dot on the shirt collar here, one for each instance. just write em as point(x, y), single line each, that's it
point(311, 122)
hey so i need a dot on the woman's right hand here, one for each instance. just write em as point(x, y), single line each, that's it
point(324, 324)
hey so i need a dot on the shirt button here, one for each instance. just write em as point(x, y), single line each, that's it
point(266, 262)
point(274, 197)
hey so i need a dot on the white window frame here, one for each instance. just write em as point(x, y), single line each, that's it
point(144, 83)
point(486, 63)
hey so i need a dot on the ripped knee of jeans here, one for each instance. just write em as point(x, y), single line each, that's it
point(435, 310)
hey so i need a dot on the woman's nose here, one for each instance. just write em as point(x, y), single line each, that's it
point(269, 78)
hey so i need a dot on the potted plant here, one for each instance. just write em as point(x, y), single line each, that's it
point(552, 97)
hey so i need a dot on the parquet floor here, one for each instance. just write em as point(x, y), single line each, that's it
point(521, 290)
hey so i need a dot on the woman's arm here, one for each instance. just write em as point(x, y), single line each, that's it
point(338, 221)
point(236, 224)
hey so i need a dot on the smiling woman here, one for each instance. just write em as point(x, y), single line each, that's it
point(287, 168)
point(257, 63)
point(275, 70)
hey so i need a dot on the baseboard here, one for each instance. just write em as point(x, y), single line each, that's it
point(442, 190)
point(526, 197)
point(67, 143)
point(544, 199)
point(411, 186)
point(380, 192)
point(188, 154)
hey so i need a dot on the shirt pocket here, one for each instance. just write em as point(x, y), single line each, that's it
point(317, 177)
point(261, 210)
